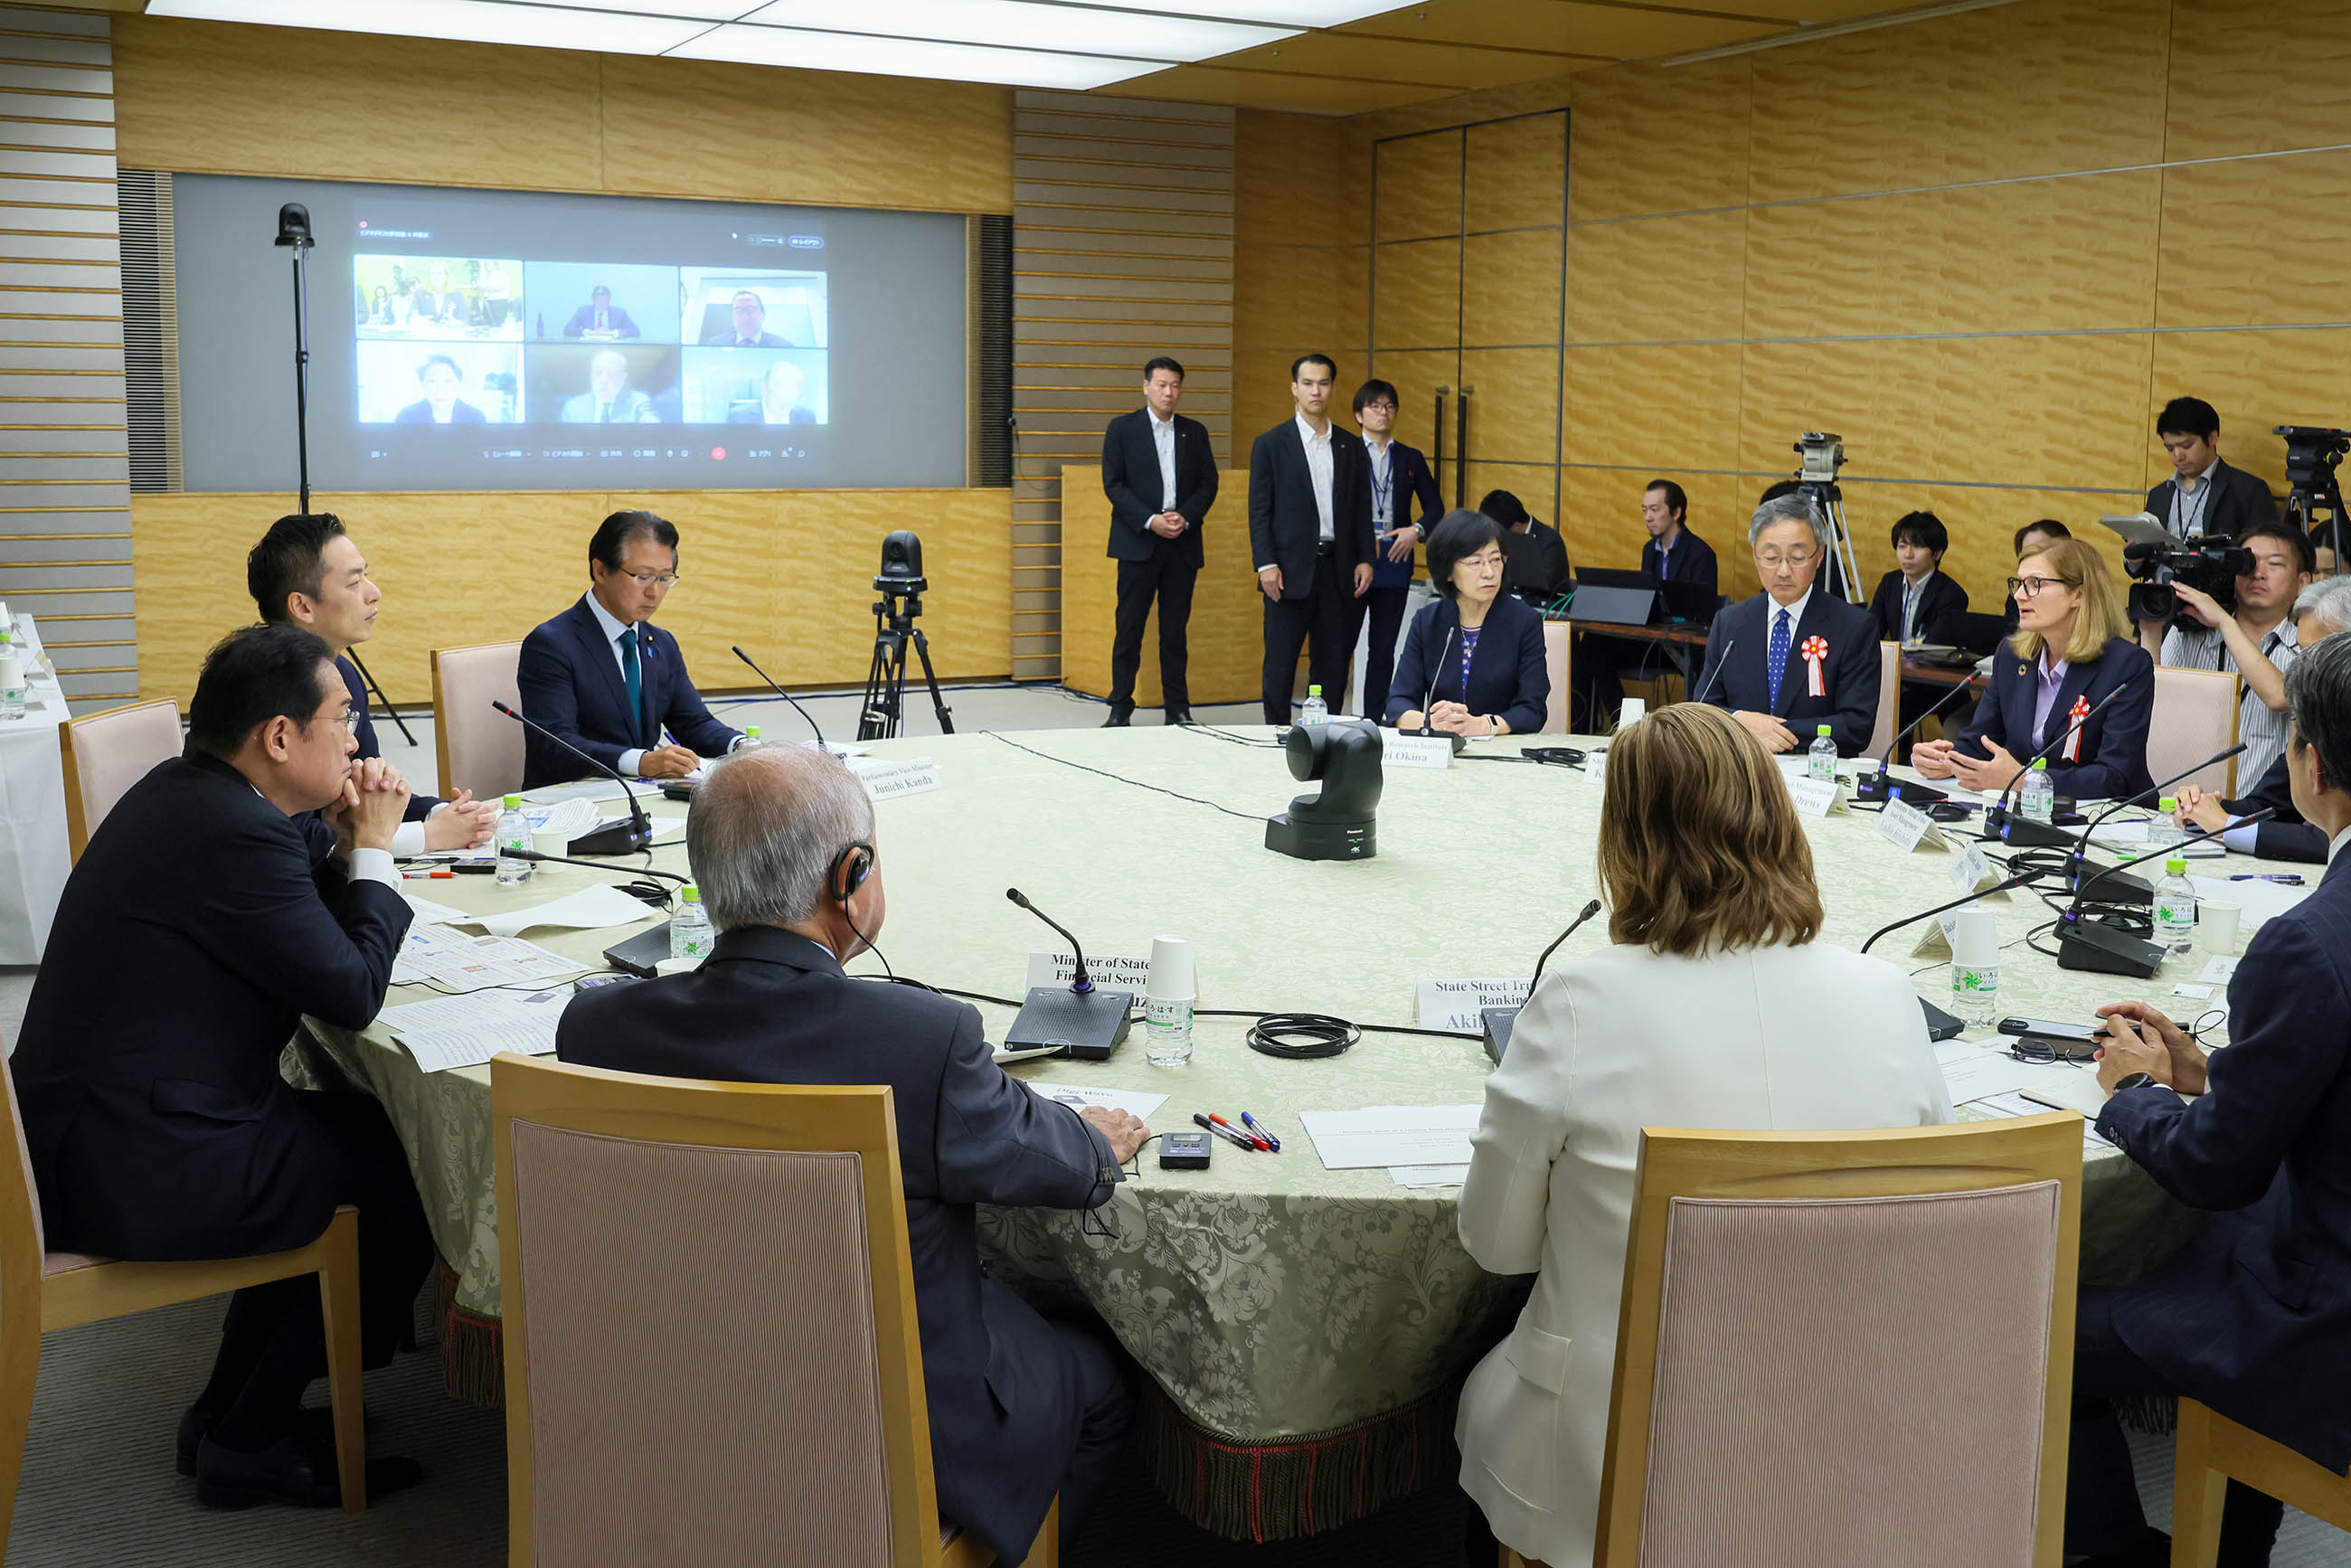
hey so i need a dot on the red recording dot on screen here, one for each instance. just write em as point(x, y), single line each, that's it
point(718, 455)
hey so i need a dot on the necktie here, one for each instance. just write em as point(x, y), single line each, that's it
point(1776, 660)
point(634, 681)
point(1907, 592)
point(603, 414)
point(600, 320)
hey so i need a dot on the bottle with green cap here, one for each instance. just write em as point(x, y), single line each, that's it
point(690, 932)
point(1313, 710)
point(2165, 828)
point(750, 737)
point(2037, 800)
point(513, 834)
point(2175, 909)
point(1821, 760)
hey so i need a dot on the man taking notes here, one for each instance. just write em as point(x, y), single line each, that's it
point(1160, 474)
point(1794, 657)
point(600, 317)
point(602, 677)
point(1310, 539)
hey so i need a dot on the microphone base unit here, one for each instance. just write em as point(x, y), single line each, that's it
point(1494, 1026)
point(2100, 949)
point(1875, 787)
point(611, 838)
point(2091, 884)
point(640, 954)
point(1317, 840)
point(2009, 828)
point(1087, 1025)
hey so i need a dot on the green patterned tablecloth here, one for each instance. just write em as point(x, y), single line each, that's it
point(1273, 1302)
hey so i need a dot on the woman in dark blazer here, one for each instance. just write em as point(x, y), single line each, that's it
point(2072, 635)
point(1476, 655)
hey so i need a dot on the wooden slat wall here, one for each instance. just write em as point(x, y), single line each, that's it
point(65, 520)
point(1122, 222)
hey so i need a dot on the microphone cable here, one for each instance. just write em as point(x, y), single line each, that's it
point(1120, 779)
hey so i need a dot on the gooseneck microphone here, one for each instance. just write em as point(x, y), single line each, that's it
point(2094, 946)
point(1575, 925)
point(1997, 812)
point(620, 838)
point(1079, 982)
point(1435, 670)
point(2153, 792)
point(1879, 786)
point(1085, 1022)
point(1494, 1024)
point(1715, 676)
point(598, 865)
point(783, 694)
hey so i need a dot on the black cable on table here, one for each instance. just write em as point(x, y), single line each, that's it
point(1120, 779)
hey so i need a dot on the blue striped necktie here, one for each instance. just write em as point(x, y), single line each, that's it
point(634, 681)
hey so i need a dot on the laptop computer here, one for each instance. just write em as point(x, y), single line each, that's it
point(1609, 577)
point(1978, 635)
point(1607, 605)
point(1691, 603)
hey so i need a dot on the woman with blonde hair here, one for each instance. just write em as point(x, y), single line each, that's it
point(1717, 1006)
point(2071, 649)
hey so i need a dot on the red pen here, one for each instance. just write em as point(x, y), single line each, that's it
point(1251, 1139)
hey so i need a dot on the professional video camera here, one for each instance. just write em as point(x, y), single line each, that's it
point(901, 566)
point(2212, 566)
point(1824, 454)
point(2313, 453)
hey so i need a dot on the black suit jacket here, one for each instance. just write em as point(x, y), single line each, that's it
point(1692, 561)
point(2239, 500)
point(199, 926)
point(2284, 837)
point(1285, 527)
point(1131, 480)
point(2252, 1315)
point(770, 1007)
point(1534, 563)
point(420, 806)
point(1848, 703)
point(1508, 677)
point(2112, 755)
point(1941, 596)
point(616, 321)
point(570, 680)
point(1411, 486)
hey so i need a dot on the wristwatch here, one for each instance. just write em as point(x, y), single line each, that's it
point(2134, 1081)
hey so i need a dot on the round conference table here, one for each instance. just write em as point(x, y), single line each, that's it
point(1304, 1328)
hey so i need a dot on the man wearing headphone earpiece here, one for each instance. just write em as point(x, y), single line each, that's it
point(782, 846)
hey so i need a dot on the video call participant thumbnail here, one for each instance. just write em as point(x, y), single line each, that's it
point(609, 399)
point(780, 391)
point(441, 379)
point(749, 330)
point(601, 318)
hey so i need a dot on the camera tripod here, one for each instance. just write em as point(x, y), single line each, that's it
point(1843, 576)
point(885, 682)
point(2304, 504)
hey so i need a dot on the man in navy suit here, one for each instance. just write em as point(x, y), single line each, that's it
point(604, 678)
point(602, 317)
point(1160, 474)
point(2204, 496)
point(781, 843)
point(1793, 658)
point(2253, 1317)
point(748, 327)
point(1310, 539)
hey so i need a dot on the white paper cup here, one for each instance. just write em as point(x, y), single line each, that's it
point(551, 842)
point(1975, 939)
point(1171, 969)
point(2216, 925)
point(1632, 713)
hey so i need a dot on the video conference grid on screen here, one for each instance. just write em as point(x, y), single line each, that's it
point(473, 341)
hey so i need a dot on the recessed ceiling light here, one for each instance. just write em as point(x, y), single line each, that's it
point(1277, 12)
point(808, 50)
point(474, 21)
point(1017, 24)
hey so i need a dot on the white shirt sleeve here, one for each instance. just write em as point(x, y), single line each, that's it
point(375, 865)
point(2241, 838)
point(629, 761)
point(407, 841)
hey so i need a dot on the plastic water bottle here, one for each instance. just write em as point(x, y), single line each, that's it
point(2037, 801)
point(2166, 828)
point(750, 737)
point(1313, 710)
point(513, 834)
point(1821, 760)
point(1974, 937)
point(12, 677)
point(2175, 908)
point(690, 934)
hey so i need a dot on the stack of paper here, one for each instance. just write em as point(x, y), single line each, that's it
point(1136, 1103)
point(461, 963)
point(1393, 1135)
point(466, 1031)
point(586, 910)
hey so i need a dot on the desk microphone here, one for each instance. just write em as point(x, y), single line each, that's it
point(617, 839)
point(783, 694)
point(2093, 944)
point(2131, 887)
point(2001, 823)
point(596, 865)
point(1086, 1023)
point(1715, 674)
point(1879, 786)
point(1436, 670)
point(1495, 1024)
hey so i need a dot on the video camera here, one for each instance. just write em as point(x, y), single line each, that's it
point(2312, 452)
point(2209, 566)
point(901, 565)
point(1824, 454)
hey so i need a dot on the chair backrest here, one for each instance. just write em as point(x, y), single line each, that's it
point(1557, 650)
point(478, 747)
point(1812, 1318)
point(2195, 715)
point(1889, 699)
point(710, 1347)
point(104, 754)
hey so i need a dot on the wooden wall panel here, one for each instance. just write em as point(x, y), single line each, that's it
point(1514, 171)
point(2229, 253)
point(1416, 377)
point(1671, 406)
point(1416, 293)
point(1677, 278)
point(1510, 289)
point(2256, 381)
point(2258, 75)
point(786, 571)
point(1419, 182)
point(1514, 413)
point(1224, 638)
point(1646, 140)
point(1300, 262)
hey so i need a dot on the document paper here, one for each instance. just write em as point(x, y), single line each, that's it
point(1386, 1135)
point(466, 1031)
point(462, 962)
point(586, 910)
point(1136, 1103)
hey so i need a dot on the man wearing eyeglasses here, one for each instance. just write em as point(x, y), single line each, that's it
point(605, 679)
point(1793, 658)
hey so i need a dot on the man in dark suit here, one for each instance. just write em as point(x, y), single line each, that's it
point(1673, 553)
point(1601, 663)
point(1310, 539)
point(1400, 479)
point(1160, 474)
point(601, 316)
point(156, 1121)
point(1913, 597)
point(781, 843)
point(608, 681)
point(1535, 564)
point(2252, 1316)
point(748, 327)
point(1793, 658)
point(307, 572)
point(2204, 496)
point(439, 378)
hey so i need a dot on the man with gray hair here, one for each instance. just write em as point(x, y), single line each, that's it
point(2321, 611)
point(1791, 659)
point(782, 847)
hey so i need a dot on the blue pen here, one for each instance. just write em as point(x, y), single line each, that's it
point(1258, 1127)
point(2287, 879)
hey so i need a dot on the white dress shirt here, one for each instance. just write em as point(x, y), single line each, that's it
point(1163, 437)
point(1771, 608)
point(613, 626)
point(1383, 457)
point(1319, 471)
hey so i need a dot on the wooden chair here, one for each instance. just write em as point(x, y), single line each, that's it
point(2213, 1450)
point(477, 747)
point(1889, 700)
point(710, 1347)
point(42, 1290)
point(1559, 647)
point(2195, 715)
point(104, 754)
point(1846, 1347)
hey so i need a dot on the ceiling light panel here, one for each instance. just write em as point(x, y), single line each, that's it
point(807, 50)
point(473, 21)
point(1276, 13)
point(701, 10)
point(1017, 24)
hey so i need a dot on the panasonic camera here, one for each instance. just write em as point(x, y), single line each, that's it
point(2210, 565)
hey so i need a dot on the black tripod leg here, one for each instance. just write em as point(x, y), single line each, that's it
point(898, 697)
point(870, 716)
point(377, 688)
point(931, 679)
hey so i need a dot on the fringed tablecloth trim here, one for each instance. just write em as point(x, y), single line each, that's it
point(473, 1347)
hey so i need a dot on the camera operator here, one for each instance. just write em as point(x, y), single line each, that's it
point(2323, 610)
point(2204, 496)
point(2257, 642)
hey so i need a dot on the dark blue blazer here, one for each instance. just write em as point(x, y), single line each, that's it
point(1942, 596)
point(2114, 743)
point(1848, 674)
point(2253, 1315)
point(2284, 837)
point(1409, 475)
point(584, 320)
point(1692, 561)
point(1507, 678)
point(570, 682)
point(771, 1007)
point(420, 805)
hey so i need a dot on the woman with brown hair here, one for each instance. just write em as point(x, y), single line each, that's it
point(1716, 1007)
point(2073, 648)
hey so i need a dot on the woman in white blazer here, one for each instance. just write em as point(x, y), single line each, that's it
point(1715, 1008)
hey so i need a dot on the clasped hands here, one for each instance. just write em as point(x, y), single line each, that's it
point(1166, 525)
point(368, 810)
point(2141, 1039)
point(1450, 718)
point(1993, 773)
